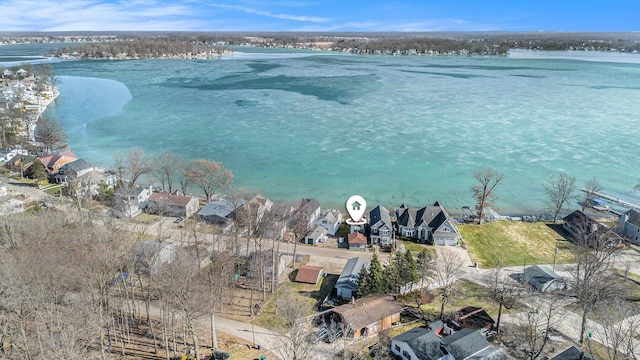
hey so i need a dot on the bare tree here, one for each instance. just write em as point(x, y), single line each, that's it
point(133, 164)
point(446, 272)
point(209, 175)
point(50, 133)
point(592, 278)
point(166, 168)
point(559, 192)
point(503, 290)
point(293, 343)
point(535, 325)
point(591, 186)
point(619, 328)
point(483, 192)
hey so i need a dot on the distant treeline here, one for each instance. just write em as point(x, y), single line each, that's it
point(139, 48)
point(154, 44)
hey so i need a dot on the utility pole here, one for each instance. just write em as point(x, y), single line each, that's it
point(555, 255)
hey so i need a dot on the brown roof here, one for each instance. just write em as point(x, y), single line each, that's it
point(357, 238)
point(309, 274)
point(368, 310)
point(170, 199)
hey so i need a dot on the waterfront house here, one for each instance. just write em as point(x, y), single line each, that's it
point(381, 228)
point(367, 316)
point(587, 230)
point(427, 224)
point(349, 277)
point(330, 220)
point(357, 241)
point(20, 163)
point(309, 211)
point(7, 153)
point(167, 204)
point(309, 274)
point(220, 211)
point(629, 226)
point(53, 162)
point(542, 278)
point(279, 218)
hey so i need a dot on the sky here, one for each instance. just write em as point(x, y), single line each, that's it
point(320, 15)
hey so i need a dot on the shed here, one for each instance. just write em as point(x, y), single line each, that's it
point(309, 274)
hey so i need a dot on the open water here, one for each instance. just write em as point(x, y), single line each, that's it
point(392, 129)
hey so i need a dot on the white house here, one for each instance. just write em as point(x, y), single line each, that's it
point(131, 200)
point(317, 235)
point(330, 220)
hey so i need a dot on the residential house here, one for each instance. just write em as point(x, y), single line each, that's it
point(330, 220)
point(542, 278)
point(417, 344)
point(256, 259)
point(149, 255)
point(168, 204)
point(317, 235)
point(470, 344)
point(368, 315)
point(381, 228)
point(629, 226)
point(280, 216)
point(428, 224)
point(584, 228)
point(74, 170)
point(131, 200)
point(573, 353)
point(7, 153)
point(309, 274)
point(20, 163)
point(53, 162)
point(357, 241)
point(308, 211)
point(349, 277)
point(220, 211)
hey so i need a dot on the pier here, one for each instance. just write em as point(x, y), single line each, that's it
point(616, 200)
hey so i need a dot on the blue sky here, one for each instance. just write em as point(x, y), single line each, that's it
point(319, 15)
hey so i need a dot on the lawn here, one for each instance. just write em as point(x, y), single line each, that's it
point(516, 243)
point(312, 294)
point(470, 294)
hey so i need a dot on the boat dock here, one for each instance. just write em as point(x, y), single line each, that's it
point(616, 200)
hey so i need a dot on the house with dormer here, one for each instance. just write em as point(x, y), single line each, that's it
point(349, 277)
point(629, 226)
point(381, 228)
point(53, 162)
point(427, 224)
point(330, 220)
point(309, 211)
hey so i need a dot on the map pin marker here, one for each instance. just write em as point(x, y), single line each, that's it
point(356, 207)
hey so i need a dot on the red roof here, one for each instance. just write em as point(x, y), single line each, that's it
point(309, 274)
point(357, 238)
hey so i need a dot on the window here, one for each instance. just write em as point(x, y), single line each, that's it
point(397, 347)
point(406, 355)
point(384, 232)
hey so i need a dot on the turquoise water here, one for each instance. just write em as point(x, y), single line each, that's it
point(392, 129)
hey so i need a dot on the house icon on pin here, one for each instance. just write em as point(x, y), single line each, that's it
point(355, 205)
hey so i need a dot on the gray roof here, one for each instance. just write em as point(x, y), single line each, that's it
point(221, 208)
point(77, 165)
point(572, 353)
point(433, 216)
point(424, 343)
point(465, 343)
point(540, 274)
point(380, 215)
point(309, 206)
point(351, 272)
point(634, 217)
point(130, 191)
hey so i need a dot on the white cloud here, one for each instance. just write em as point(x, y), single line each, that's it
point(249, 10)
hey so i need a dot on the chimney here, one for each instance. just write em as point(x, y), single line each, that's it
point(353, 300)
